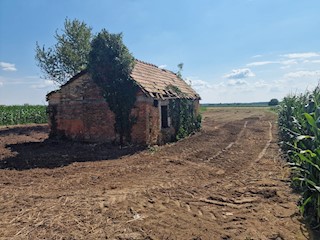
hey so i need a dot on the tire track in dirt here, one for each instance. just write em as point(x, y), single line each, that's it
point(196, 204)
point(173, 192)
point(205, 141)
point(230, 144)
point(233, 207)
point(263, 152)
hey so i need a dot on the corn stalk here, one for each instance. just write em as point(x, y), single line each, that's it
point(12, 115)
point(299, 131)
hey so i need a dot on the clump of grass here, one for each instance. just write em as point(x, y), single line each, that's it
point(153, 149)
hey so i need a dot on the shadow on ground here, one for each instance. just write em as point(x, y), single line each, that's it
point(24, 130)
point(53, 153)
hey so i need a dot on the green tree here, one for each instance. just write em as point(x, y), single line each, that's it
point(273, 102)
point(110, 65)
point(69, 55)
point(180, 68)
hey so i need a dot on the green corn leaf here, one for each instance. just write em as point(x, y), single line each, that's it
point(307, 159)
point(302, 137)
point(305, 202)
point(300, 170)
point(312, 154)
point(310, 183)
point(310, 120)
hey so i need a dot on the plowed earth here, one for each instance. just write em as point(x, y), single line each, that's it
point(225, 182)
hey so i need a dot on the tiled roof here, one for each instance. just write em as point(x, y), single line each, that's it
point(154, 81)
point(160, 83)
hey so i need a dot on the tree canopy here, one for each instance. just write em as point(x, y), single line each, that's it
point(273, 102)
point(109, 59)
point(69, 55)
point(110, 65)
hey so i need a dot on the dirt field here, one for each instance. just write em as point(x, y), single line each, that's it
point(226, 182)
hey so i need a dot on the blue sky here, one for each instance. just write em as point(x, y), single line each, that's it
point(232, 50)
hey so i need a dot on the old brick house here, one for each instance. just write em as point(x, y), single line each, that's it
point(78, 110)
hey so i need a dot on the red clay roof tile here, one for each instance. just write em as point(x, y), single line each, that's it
point(157, 80)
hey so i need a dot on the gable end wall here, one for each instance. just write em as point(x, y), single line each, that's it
point(79, 112)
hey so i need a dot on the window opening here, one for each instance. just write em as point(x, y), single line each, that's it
point(164, 117)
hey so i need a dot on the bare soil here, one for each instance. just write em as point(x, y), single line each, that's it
point(226, 182)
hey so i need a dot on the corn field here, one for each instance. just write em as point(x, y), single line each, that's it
point(11, 115)
point(299, 132)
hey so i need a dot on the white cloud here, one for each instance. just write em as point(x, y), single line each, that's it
point(43, 84)
point(260, 63)
point(279, 75)
point(237, 82)
point(162, 66)
point(311, 61)
point(289, 62)
point(239, 74)
point(7, 66)
point(257, 56)
point(1, 83)
point(199, 84)
point(261, 84)
point(302, 55)
point(303, 74)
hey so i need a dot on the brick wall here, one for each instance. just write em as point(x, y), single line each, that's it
point(78, 111)
point(196, 105)
point(81, 112)
point(147, 128)
point(154, 130)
